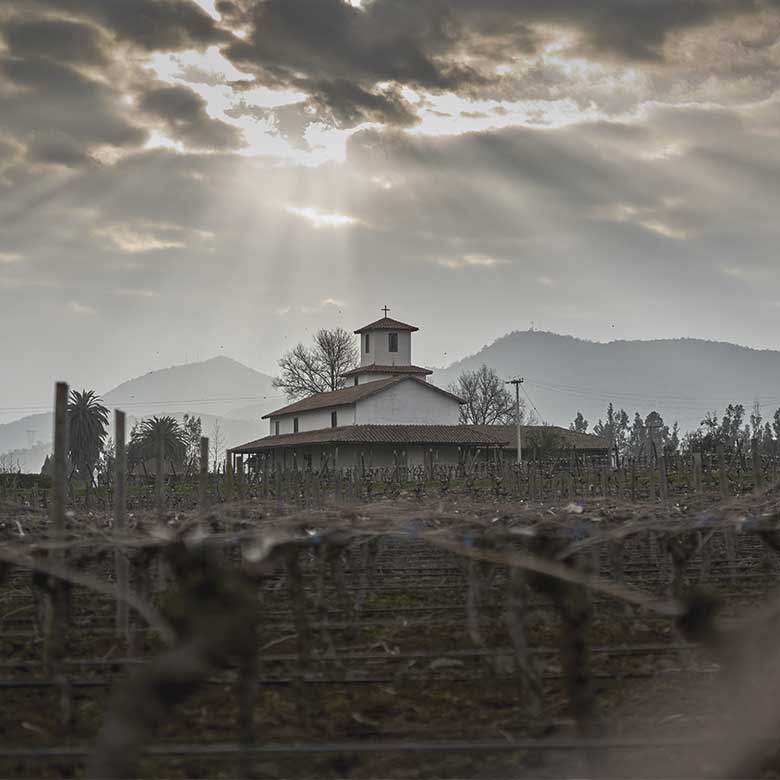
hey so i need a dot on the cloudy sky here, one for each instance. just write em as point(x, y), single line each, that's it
point(185, 178)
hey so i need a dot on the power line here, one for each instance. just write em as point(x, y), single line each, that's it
point(538, 413)
point(661, 396)
point(665, 399)
point(47, 407)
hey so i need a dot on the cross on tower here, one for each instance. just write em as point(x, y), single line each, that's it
point(385, 310)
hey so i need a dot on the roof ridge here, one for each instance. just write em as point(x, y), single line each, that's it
point(352, 394)
point(387, 323)
point(378, 368)
point(358, 391)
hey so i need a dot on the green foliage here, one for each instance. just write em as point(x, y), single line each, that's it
point(192, 429)
point(544, 442)
point(145, 436)
point(88, 424)
point(580, 424)
point(641, 438)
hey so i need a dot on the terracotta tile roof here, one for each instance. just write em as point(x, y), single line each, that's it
point(387, 323)
point(452, 435)
point(377, 369)
point(508, 436)
point(349, 395)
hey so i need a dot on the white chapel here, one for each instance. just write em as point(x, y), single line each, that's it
point(387, 414)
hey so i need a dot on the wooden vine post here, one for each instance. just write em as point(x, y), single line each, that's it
point(724, 484)
point(756, 458)
point(57, 591)
point(652, 480)
point(664, 478)
point(697, 473)
point(229, 477)
point(203, 481)
point(120, 525)
point(240, 477)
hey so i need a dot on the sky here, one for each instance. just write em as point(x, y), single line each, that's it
point(183, 179)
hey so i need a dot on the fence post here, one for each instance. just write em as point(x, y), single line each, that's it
point(228, 476)
point(240, 477)
point(651, 474)
point(757, 476)
point(724, 485)
point(120, 525)
point(663, 477)
point(59, 494)
point(58, 595)
point(697, 476)
point(204, 472)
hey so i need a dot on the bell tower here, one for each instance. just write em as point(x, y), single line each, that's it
point(385, 350)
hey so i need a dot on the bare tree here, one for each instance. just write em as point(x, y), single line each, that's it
point(319, 368)
point(488, 402)
point(217, 446)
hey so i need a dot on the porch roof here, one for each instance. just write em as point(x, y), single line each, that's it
point(393, 435)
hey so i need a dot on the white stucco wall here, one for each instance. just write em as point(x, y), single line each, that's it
point(378, 349)
point(313, 420)
point(355, 456)
point(407, 403)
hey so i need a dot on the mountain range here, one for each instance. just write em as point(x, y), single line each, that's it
point(681, 379)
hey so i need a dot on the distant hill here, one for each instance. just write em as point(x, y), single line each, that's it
point(28, 460)
point(212, 386)
point(680, 378)
point(30, 430)
point(209, 389)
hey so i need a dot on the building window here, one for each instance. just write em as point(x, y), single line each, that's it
point(276, 427)
point(368, 342)
point(356, 381)
point(392, 345)
point(295, 425)
point(334, 420)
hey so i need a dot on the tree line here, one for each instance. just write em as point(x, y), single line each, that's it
point(91, 450)
point(645, 437)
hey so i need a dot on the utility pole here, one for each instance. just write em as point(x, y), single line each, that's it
point(517, 383)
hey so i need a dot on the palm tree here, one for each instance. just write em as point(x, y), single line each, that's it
point(88, 423)
point(145, 437)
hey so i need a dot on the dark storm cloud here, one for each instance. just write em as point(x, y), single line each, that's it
point(184, 113)
point(57, 149)
point(154, 25)
point(60, 113)
point(56, 39)
point(62, 109)
point(342, 55)
point(341, 104)
point(451, 45)
point(349, 105)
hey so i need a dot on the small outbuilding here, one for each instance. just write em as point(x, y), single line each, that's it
point(547, 442)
